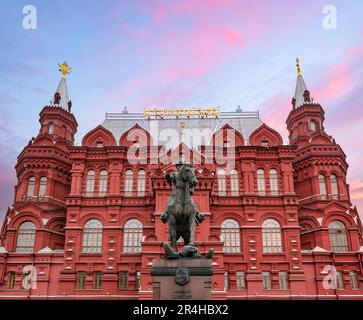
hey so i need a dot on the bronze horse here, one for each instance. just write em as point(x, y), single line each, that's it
point(181, 209)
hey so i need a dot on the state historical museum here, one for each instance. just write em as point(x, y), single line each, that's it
point(85, 222)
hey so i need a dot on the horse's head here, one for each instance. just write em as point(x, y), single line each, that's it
point(188, 175)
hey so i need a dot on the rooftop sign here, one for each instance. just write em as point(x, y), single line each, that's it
point(187, 113)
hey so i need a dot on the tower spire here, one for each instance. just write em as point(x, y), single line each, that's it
point(298, 67)
point(302, 94)
point(61, 97)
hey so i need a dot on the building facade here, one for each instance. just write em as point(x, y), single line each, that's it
point(85, 221)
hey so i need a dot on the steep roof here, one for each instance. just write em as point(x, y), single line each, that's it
point(300, 87)
point(63, 91)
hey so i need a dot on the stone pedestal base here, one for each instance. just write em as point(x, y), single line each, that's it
point(188, 279)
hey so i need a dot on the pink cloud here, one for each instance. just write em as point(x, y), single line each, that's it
point(194, 39)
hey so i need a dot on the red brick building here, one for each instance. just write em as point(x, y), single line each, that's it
point(85, 218)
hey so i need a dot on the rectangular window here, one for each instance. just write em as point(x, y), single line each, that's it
point(138, 280)
point(221, 186)
point(340, 282)
point(241, 284)
point(283, 280)
point(81, 280)
point(97, 284)
point(11, 280)
point(322, 187)
point(90, 186)
point(353, 280)
point(226, 281)
point(234, 185)
point(266, 279)
point(123, 280)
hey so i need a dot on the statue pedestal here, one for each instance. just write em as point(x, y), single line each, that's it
point(182, 279)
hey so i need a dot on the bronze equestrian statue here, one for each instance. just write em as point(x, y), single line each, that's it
point(181, 212)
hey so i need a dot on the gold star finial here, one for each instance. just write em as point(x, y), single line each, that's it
point(298, 67)
point(64, 69)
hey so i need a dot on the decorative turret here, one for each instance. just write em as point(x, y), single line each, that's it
point(56, 120)
point(320, 170)
point(307, 117)
point(61, 97)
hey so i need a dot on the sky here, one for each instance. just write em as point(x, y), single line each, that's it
point(181, 53)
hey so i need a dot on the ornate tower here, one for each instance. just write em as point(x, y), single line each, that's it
point(320, 176)
point(43, 172)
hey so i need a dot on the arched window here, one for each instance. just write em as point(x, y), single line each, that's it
point(132, 236)
point(271, 236)
point(261, 187)
point(334, 186)
point(128, 183)
point(90, 184)
point(338, 237)
point(26, 237)
point(230, 233)
point(31, 187)
point(234, 183)
point(322, 186)
point(141, 183)
point(103, 183)
point(92, 236)
point(50, 128)
point(221, 182)
point(274, 185)
point(42, 186)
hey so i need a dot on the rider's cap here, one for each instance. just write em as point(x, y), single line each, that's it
point(179, 163)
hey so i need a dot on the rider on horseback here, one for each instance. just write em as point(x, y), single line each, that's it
point(171, 179)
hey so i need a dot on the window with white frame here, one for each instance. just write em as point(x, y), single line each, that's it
point(338, 237)
point(90, 183)
point(312, 125)
point(132, 236)
point(128, 183)
point(271, 236)
point(234, 183)
point(226, 281)
point(138, 280)
point(334, 186)
point(141, 183)
point(42, 186)
point(353, 280)
point(274, 184)
point(230, 233)
point(221, 175)
point(283, 281)
point(339, 280)
point(31, 188)
point(266, 280)
point(50, 128)
point(261, 187)
point(240, 279)
point(322, 186)
point(92, 236)
point(26, 237)
point(102, 188)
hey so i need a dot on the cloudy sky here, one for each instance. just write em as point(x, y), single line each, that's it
point(179, 53)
